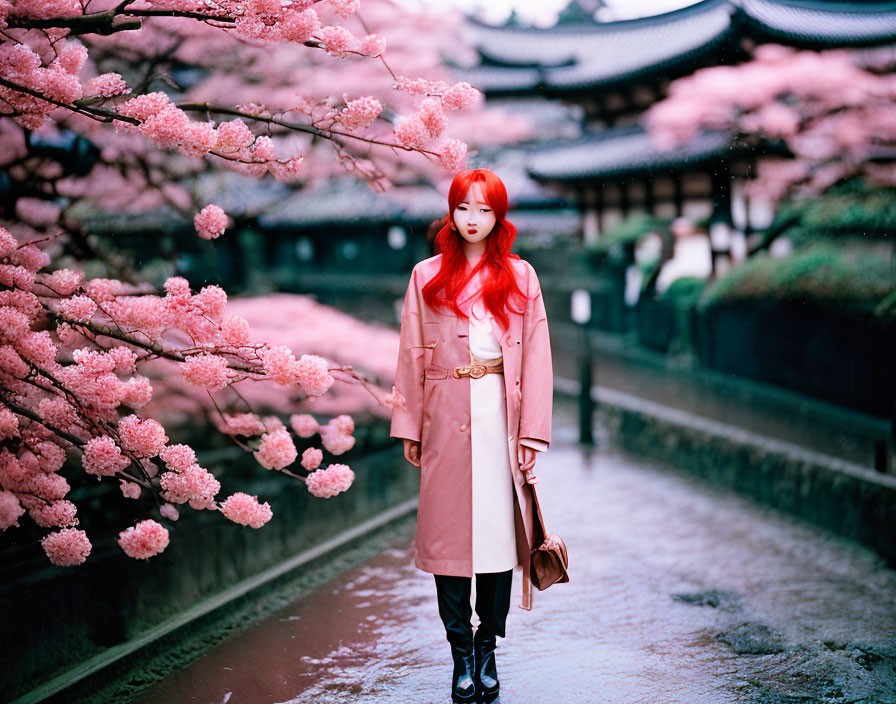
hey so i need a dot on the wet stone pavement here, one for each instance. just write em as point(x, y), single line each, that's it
point(680, 593)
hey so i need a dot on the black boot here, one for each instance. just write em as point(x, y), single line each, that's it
point(486, 670)
point(463, 683)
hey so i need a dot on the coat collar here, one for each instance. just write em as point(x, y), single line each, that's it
point(508, 338)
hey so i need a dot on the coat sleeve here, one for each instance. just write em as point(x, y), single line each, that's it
point(407, 422)
point(537, 382)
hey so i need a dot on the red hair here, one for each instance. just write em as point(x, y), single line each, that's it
point(499, 284)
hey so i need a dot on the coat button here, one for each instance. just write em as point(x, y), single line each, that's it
point(518, 342)
point(517, 382)
point(463, 427)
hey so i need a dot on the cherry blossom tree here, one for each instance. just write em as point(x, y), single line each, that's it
point(119, 106)
point(832, 113)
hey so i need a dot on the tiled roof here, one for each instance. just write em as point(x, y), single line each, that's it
point(516, 60)
point(573, 56)
point(620, 151)
point(821, 24)
point(351, 201)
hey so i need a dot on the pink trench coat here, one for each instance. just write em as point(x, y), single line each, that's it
point(438, 415)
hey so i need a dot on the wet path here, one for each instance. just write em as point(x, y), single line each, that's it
point(661, 566)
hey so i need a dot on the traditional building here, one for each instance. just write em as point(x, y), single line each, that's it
point(615, 70)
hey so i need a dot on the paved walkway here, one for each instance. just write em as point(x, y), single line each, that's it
point(680, 594)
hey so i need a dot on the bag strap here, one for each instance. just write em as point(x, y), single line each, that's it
point(539, 534)
point(539, 527)
point(526, 602)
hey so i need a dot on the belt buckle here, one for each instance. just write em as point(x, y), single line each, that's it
point(477, 371)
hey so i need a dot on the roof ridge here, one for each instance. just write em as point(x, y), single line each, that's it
point(614, 25)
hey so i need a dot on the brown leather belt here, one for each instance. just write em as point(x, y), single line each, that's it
point(478, 368)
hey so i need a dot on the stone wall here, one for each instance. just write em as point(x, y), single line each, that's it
point(56, 619)
point(840, 496)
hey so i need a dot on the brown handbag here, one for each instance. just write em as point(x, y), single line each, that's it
point(548, 560)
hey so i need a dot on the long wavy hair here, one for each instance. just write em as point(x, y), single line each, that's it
point(499, 285)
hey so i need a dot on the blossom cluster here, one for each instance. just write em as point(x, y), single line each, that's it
point(143, 540)
point(80, 389)
point(419, 129)
point(325, 483)
point(829, 110)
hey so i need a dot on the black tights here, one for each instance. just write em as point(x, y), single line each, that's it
point(492, 605)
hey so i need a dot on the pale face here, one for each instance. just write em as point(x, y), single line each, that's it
point(474, 217)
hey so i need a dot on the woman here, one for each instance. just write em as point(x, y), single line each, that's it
point(474, 367)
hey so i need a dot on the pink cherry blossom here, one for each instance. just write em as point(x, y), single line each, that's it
point(169, 511)
point(79, 308)
point(32, 258)
point(280, 365)
point(395, 399)
point(136, 392)
point(37, 347)
point(460, 96)
point(328, 482)
point(178, 457)
point(277, 450)
point(55, 411)
point(143, 106)
point(359, 114)
point(346, 8)
point(334, 442)
point(299, 26)
point(199, 138)
point(247, 424)
point(235, 330)
point(130, 490)
point(194, 484)
point(311, 458)
point(263, 149)
point(71, 59)
point(106, 85)
point(287, 171)
point(125, 359)
point(372, 45)
point(8, 243)
point(343, 424)
point(210, 222)
point(66, 547)
point(144, 437)
point(453, 155)
point(211, 300)
point(10, 509)
point(143, 540)
point(336, 40)
point(433, 116)
point(56, 514)
point(233, 136)
point(412, 133)
point(312, 374)
point(52, 457)
point(245, 510)
point(167, 128)
point(9, 424)
point(420, 86)
point(303, 425)
point(103, 457)
point(207, 370)
point(14, 325)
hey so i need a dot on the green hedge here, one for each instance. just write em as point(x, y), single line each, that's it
point(629, 231)
point(849, 210)
point(858, 283)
